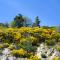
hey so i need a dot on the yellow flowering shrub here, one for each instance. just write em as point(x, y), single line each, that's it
point(6, 45)
point(58, 48)
point(24, 29)
point(36, 29)
point(9, 36)
point(10, 29)
point(1, 31)
point(50, 42)
point(2, 35)
point(11, 47)
point(56, 36)
point(20, 52)
point(56, 58)
point(33, 39)
point(29, 54)
point(33, 58)
point(17, 35)
point(34, 34)
point(43, 35)
point(47, 31)
point(1, 46)
point(48, 36)
point(30, 38)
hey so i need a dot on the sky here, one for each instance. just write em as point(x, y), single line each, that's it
point(47, 10)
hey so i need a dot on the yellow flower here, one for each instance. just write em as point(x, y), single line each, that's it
point(10, 29)
point(37, 29)
point(33, 39)
point(48, 36)
point(20, 52)
point(17, 35)
point(33, 58)
point(1, 46)
point(56, 58)
point(1, 30)
point(25, 29)
point(58, 48)
point(11, 47)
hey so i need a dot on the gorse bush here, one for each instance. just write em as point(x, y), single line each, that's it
point(56, 58)
point(35, 35)
point(6, 45)
point(19, 53)
point(34, 58)
point(23, 41)
point(1, 46)
point(58, 48)
point(11, 47)
point(50, 42)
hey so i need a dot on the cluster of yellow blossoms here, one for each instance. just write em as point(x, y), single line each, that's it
point(34, 34)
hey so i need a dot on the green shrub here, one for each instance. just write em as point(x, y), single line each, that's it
point(58, 48)
point(11, 47)
point(27, 45)
point(6, 45)
point(50, 42)
point(56, 58)
point(34, 58)
point(19, 53)
point(1, 46)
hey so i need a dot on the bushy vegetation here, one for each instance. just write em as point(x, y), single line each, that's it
point(26, 39)
point(19, 53)
point(23, 40)
point(56, 58)
point(34, 35)
point(33, 58)
point(58, 48)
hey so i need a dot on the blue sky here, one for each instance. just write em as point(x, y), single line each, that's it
point(47, 10)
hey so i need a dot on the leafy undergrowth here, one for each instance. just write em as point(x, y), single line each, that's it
point(23, 42)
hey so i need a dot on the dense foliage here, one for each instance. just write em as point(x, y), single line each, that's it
point(34, 35)
point(23, 41)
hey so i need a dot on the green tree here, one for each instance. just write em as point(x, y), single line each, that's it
point(13, 24)
point(37, 22)
point(27, 21)
point(19, 20)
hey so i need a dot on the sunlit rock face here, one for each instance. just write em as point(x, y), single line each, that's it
point(50, 53)
point(6, 55)
point(6, 51)
point(41, 49)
